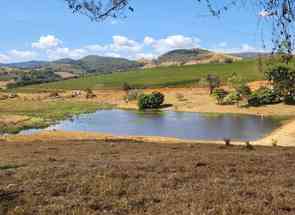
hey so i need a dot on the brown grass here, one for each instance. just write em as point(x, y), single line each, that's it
point(131, 178)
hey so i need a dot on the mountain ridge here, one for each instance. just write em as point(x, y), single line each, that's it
point(177, 56)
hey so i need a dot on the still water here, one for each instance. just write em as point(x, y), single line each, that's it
point(170, 124)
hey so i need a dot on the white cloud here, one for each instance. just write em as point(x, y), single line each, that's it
point(175, 42)
point(121, 43)
point(248, 48)
point(4, 58)
point(59, 53)
point(47, 42)
point(240, 49)
point(148, 40)
point(51, 48)
point(16, 56)
point(111, 54)
point(148, 56)
point(96, 48)
point(22, 54)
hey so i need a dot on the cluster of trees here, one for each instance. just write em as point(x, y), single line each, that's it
point(282, 76)
point(282, 89)
point(34, 77)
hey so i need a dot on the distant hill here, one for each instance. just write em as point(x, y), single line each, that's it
point(98, 64)
point(89, 64)
point(193, 56)
point(34, 72)
point(182, 55)
point(25, 65)
point(250, 55)
point(64, 61)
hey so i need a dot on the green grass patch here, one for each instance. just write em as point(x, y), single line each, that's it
point(9, 166)
point(43, 113)
point(156, 77)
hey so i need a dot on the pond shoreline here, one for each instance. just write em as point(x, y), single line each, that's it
point(61, 136)
point(196, 100)
point(284, 131)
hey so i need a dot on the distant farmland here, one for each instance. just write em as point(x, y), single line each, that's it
point(157, 77)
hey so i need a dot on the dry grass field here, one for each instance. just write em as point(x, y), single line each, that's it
point(141, 178)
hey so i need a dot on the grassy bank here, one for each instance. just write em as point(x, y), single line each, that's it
point(156, 77)
point(38, 114)
point(122, 178)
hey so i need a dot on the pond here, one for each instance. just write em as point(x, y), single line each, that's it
point(191, 126)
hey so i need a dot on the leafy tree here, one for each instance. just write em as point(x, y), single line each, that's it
point(282, 77)
point(213, 82)
point(236, 81)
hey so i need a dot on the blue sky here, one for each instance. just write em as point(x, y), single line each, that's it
point(47, 30)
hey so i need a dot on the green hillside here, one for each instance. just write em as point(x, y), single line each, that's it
point(93, 64)
point(182, 55)
point(157, 77)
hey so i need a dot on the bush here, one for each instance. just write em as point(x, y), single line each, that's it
point(244, 90)
point(3, 97)
point(289, 100)
point(12, 96)
point(133, 95)
point(150, 101)
point(219, 94)
point(159, 98)
point(232, 98)
point(89, 94)
point(263, 96)
point(228, 60)
point(126, 87)
point(54, 95)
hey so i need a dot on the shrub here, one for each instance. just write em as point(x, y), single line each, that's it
point(89, 94)
point(219, 94)
point(290, 99)
point(12, 95)
point(126, 87)
point(232, 98)
point(159, 97)
point(249, 146)
point(263, 96)
point(3, 97)
point(228, 60)
point(133, 95)
point(274, 142)
point(244, 90)
point(180, 97)
point(150, 101)
point(227, 141)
